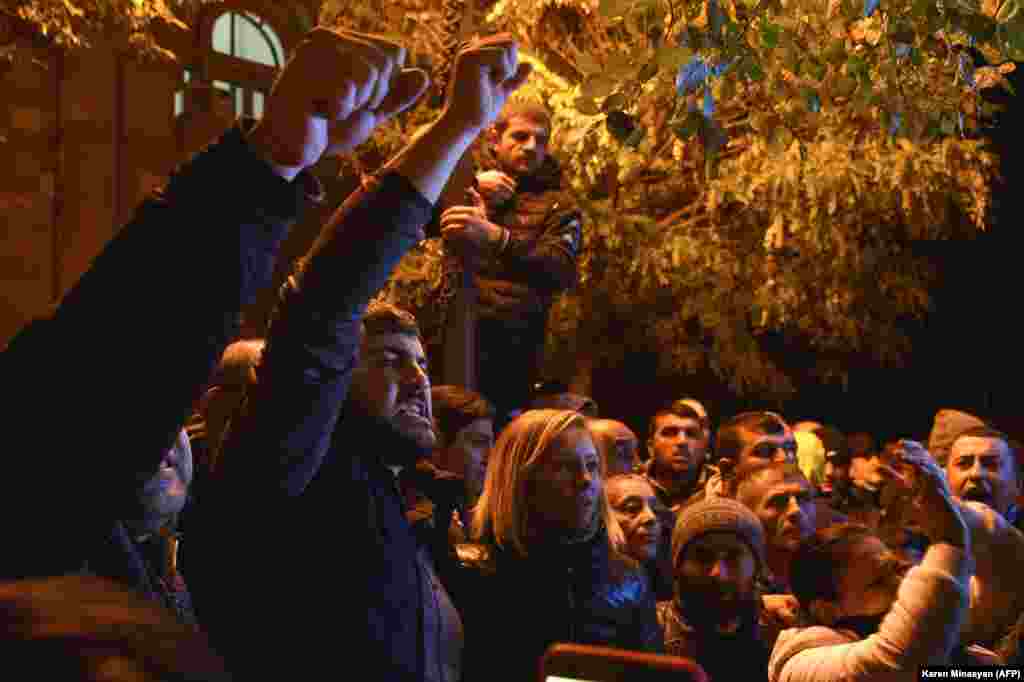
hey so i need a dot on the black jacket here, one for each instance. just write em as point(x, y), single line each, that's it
point(308, 562)
point(99, 390)
point(539, 261)
point(513, 607)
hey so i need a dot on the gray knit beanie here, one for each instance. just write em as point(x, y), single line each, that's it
point(949, 424)
point(717, 515)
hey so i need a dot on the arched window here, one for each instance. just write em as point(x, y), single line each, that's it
point(246, 36)
point(242, 57)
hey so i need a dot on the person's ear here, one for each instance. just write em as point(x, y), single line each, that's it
point(825, 611)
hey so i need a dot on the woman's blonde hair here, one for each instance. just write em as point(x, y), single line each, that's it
point(502, 511)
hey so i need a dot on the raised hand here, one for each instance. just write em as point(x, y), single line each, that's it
point(486, 73)
point(495, 187)
point(468, 231)
point(933, 506)
point(337, 88)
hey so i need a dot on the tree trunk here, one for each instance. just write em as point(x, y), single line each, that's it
point(582, 381)
point(459, 364)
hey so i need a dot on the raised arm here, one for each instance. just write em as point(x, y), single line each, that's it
point(314, 336)
point(923, 625)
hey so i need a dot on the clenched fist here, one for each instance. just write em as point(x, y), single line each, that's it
point(335, 90)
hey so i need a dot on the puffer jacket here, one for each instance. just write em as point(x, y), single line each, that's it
point(545, 235)
point(514, 607)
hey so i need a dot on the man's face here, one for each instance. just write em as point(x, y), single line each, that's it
point(837, 476)
point(566, 485)
point(760, 448)
point(391, 383)
point(678, 446)
point(522, 146)
point(869, 472)
point(715, 579)
point(784, 505)
point(164, 494)
point(870, 580)
point(633, 503)
point(466, 455)
point(983, 470)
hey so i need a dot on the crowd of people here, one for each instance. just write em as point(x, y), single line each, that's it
point(309, 502)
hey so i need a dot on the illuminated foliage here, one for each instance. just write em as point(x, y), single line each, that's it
point(74, 24)
point(750, 167)
point(746, 167)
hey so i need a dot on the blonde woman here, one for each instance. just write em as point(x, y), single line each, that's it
point(542, 568)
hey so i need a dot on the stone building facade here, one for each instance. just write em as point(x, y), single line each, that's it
point(85, 135)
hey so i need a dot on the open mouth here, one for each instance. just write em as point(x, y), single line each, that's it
point(976, 495)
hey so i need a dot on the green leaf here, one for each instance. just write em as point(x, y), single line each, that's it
point(620, 125)
point(782, 137)
point(689, 126)
point(598, 86)
point(836, 52)
point(586, 106)
point(614, 8)
point(1008, 11)
point(635, 137)
point(920, 8)
point(815, 69)
point(649, 71)
point(845, 86)
point(588, 64)
point(770, 34)
point(672, 58)
point(613, 102)
point(855, 66)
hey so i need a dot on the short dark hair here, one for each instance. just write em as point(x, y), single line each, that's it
point(456, 407)
point(815, 569)
point(836, 446)
point(678, 409)
point(386, 318)
point(532, 111)
point(729, 439)
point(861, 444)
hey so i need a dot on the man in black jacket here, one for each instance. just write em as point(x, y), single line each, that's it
point(526, 231)
point(322, 467)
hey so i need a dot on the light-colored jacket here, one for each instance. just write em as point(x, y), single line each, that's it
point(997, 592)
point(921, 628)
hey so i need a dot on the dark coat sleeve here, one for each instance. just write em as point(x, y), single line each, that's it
point(277, 444)
point(102, 386)
point(548, 260)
